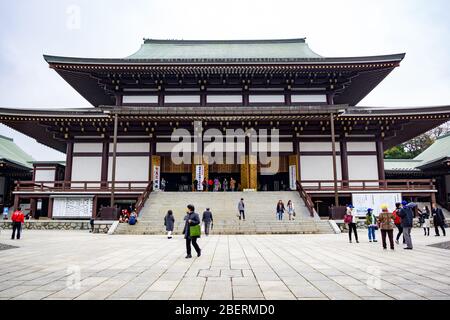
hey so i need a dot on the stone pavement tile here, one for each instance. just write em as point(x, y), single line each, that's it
point(190, 289)
point(164, 285)
point(306, 291)
point(217, 290)
point(33, 295)
point(327, 286)
point(440, 298)
point(247, 273)
point(275, 290)
point(155, 295)
point(10, 284)
point(94, 295)
point(298, 280)
point(16, 291)
point(54, 286)
point(423, 291)
point(244, 281)
point(231, 273)
point(342, 295)
point(314, 276)
point(209, 273)
point(171, 276)
point(247, 292)
point(346, 280)
point(128, 291)
point(266, 276)
point(434, 284)
point(250, 298)
point(377, 298)
point(400, 294)
point(364, 291)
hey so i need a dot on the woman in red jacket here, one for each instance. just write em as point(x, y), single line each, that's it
point(17, 219)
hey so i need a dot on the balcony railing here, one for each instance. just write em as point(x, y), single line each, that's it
point(81, 186)
point(369, 185)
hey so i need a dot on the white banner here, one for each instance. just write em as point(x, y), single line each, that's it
point(199, 176)
point(72, 208)
point(293, 177)
point(156, 178)
point(364, 201)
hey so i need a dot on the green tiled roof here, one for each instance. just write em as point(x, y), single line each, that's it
point(224, 49)
point(12, 152)
point(437, 151)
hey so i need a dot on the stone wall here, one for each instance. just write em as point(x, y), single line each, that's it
point(99, 226)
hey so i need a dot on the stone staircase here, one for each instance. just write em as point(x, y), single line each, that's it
point(260, 213)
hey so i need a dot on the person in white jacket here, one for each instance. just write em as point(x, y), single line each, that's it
point(351, 220)
point(291, 210)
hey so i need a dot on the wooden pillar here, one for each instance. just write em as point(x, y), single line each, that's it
point(69, 161)
point(344, 161)
point(94, 207)
point(333, 146)
point(105, 163)
point(244, 172)
point(16, 202)
point(295, 158)
point(380, 158)
point(50, 208)
point(253, 172)
point(33, 207)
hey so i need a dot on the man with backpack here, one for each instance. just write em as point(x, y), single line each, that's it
point(17, 219)
point(407, 216)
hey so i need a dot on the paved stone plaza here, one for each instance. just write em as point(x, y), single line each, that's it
point(48, 264)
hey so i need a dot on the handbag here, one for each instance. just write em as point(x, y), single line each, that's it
point(195, 231)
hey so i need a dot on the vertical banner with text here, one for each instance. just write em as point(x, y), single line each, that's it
point(199, 176)
point(156, 177)
point(293, 177)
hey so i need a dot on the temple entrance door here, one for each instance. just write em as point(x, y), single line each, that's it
point(225, 171)
point(278, 181)
point(176, 177)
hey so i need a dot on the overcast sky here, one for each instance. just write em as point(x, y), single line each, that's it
point(115, 28)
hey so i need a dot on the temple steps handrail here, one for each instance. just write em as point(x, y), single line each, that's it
point(356, 185)
point(76, 186)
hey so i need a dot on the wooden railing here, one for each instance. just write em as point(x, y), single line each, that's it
point(370, 185)
point(81, 186)
point(143, 198)
point(306, 198)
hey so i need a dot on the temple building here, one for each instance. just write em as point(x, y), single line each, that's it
point(328, 148)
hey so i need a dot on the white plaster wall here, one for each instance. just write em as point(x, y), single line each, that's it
point(87, 147)
point(361, 146)
point(87, 169)
point(130, 168)
point(163, 147)
point(140, 99)
point(319, 168)
point(313, 98)
point(318, 147)
point(363, 168)
point(182, 99)
point(224, 99)
point(44, 175)
point(266, 98)
point(130, 147)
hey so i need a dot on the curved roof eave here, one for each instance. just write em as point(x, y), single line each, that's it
point(239, 61)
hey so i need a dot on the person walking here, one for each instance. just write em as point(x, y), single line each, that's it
point(291, 210)
point(207, 219)
point(205, 185)
point(280, 210)
point(191, 219)
point(216, 185)
point(5, 213)
point(386, 222)
point(163, 184)
point(371, 223)
point(351, 221)
point(241, 209)
point(232, 184)
point(169, 223)
point(18, 218)
point(225, 185)
point(398, 222)
point(424, 219)
point(407, 215)
point(210, 185)
point(438, 220)
point(195, 186)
